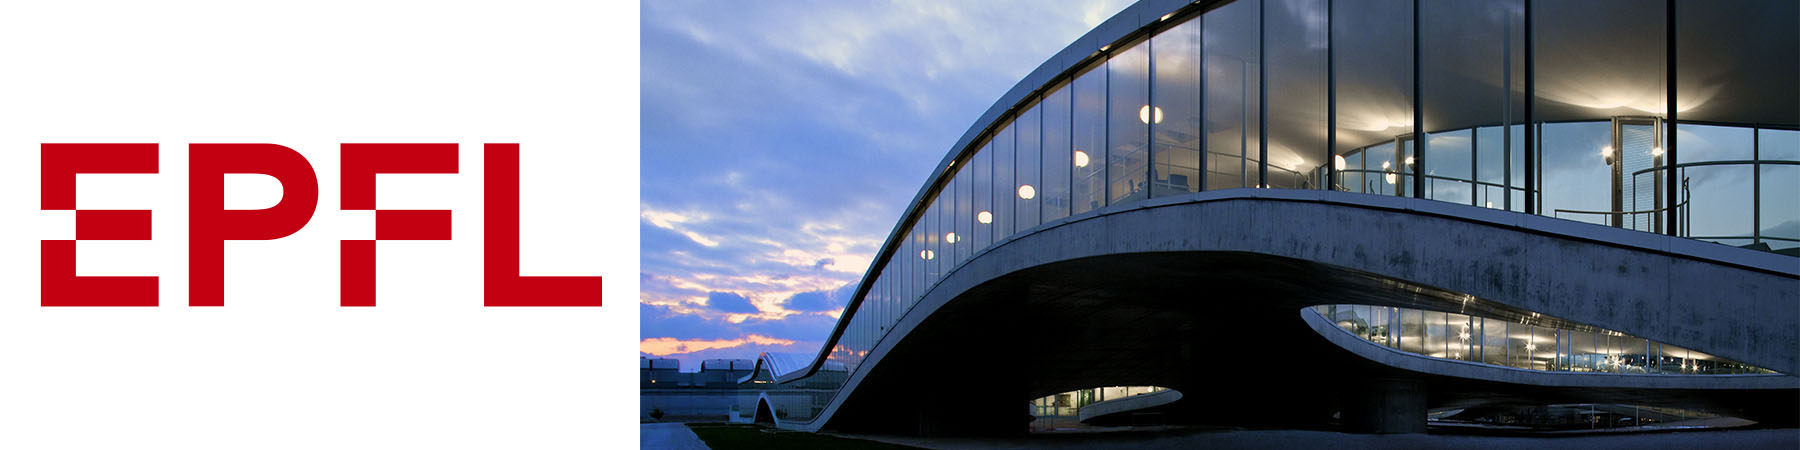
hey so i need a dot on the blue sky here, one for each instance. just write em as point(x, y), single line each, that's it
point(780, 141)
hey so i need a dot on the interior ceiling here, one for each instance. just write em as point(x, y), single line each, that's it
point(1738, 63)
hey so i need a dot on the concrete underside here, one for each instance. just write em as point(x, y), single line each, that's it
point(1215, 326)
point(1205, 297)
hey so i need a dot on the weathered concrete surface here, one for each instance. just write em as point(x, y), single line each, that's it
point(1734, 303)
point(1297, 248)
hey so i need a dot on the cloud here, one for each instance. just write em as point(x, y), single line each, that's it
point(780, 143)
point(672, 346)
point(811, 301)
point(729, 302)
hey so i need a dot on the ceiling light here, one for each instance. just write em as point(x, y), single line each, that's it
point(1027, 192)
point(1150, 114)
point(984, 217)
point(1081, 158)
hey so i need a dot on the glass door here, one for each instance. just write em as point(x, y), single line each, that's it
point(1637, 189)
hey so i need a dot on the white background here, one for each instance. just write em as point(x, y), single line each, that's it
point(281, 365)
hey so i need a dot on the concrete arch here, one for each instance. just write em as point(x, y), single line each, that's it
point(764, 413)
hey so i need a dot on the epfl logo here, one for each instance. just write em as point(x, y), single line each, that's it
point(210, 224)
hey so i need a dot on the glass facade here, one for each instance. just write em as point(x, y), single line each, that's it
point(1563, 110)
point(1448, 335)
point(1062, 411)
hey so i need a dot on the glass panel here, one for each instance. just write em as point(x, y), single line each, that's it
point(946, 257)
point(1631, 356)
point(1719, 200)
point(1519, 345)
point(1490, 167)
point(1128, 74)
point(1436, 334)
point(921, 257)
point(1544, 354)
point(981, 181)
point(1379, 164)
point(903, 267)
point(1574, 84)
point(1779, 145)
point(1055, 189)
point(1026, 168)
point(1378, 325)
point(1493, 340)
point(1576, 180)
point(1232, 95)
point(932, 254)
point(1472, 63)
point(1090, 141)
point(1462, 337)
point(1374, 68)
point(1177, 105)
point(1779, 220)
point(1517, 182)
point(1584, 351)
point(1296, 42)
point(1412, 331)
point(965, 215)
point(1781, 208)
point(1451, 165)
point(1004, 189)
point(1719, 197)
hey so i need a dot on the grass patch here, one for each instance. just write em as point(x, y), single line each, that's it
point(727, 436)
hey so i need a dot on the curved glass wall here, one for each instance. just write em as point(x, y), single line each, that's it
point(1564, 115)
point(1062, 411)
point(1461, 337)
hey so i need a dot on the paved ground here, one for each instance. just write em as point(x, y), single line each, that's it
point(670, 436)
point(1784, 439)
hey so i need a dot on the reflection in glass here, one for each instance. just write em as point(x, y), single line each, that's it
point(1056, 156)
point(1090, 141)
point(1232, 95)
point(1003, 182)
point(1026, 168)
point(1374, 87)
point(1452, 163)
point(1176, 146)
point(1128, 75)
point(965, 214)
point(1472, 75)
point(1575, 176)
point(981, 183)
point(1297, 84)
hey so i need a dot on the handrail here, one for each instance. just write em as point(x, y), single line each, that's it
point(1733, 162)
point(1686, 196)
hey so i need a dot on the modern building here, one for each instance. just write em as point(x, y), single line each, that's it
point(1353, 214)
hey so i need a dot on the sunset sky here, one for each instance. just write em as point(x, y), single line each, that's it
point(780, 141)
